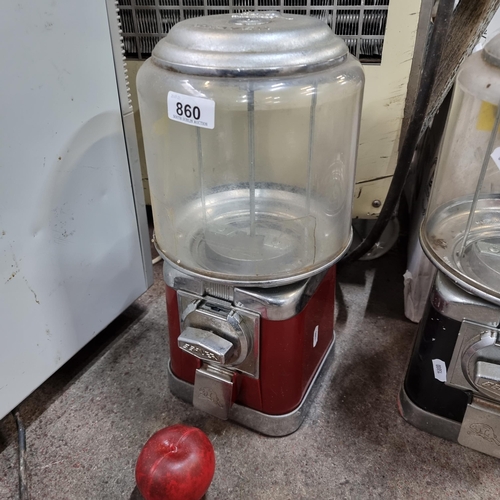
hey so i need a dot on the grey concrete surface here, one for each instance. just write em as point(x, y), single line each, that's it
point(87, 424)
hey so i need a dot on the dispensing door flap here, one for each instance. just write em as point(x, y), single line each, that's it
point(481, 427)
point(213, 390)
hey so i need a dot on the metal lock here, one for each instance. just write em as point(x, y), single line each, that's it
point(226, 339)
point(213, 331)
point(475, 364)
point(216, 332)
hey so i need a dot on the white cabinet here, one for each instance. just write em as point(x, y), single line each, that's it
point(74, 249)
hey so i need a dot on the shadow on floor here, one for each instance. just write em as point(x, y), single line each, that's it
point(35, 404)
point(136, 495)
point(387, 282)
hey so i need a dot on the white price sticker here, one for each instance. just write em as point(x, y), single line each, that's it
point(495, 156)
point(439, 370)
point(196, 111)
point(315, 336)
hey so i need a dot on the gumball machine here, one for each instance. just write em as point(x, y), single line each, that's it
point(250, 126)
point(452, 386)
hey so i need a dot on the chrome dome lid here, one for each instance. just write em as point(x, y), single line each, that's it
point(249, 44)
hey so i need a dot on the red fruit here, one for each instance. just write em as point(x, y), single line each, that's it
point(177, 463)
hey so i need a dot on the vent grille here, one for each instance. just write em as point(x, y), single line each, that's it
point(361, 23)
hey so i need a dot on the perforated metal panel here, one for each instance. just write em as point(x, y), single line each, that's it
point(361, 23)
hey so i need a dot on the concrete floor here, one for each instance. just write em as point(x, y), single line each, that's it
point(87, 423)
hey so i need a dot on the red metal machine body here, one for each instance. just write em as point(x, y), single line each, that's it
point(291, 352)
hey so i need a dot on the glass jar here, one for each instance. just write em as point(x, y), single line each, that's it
point(461, 231)
point(250, 125)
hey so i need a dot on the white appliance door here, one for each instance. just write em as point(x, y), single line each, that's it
point(70, 251)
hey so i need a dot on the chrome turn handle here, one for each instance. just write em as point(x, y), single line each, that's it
point(206, 345)
point(487, 378)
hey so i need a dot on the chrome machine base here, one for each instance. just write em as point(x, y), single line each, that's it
point(270, 425)
point(425, 421)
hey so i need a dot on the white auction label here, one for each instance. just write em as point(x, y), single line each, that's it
point(196, 111)
point(439, 370)
point(495, 156)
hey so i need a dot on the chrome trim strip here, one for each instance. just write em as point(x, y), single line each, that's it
point(426, 421)
point(271, 283)
point(275, 304)
point(280, 303)
point(455, 303)
point(469, 287)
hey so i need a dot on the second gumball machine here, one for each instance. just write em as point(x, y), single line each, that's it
point(452, 386)
point(250, 126)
